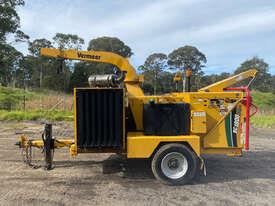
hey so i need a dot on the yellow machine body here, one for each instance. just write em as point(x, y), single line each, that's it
point(215, 121)
point(141, 146)
point(208, 126)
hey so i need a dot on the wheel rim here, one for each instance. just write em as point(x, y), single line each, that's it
point(174, 165)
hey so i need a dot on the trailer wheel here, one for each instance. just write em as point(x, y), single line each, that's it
point(174, 164)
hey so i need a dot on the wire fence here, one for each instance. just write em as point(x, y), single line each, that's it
point(48, 102)
point(266, 112)
point(22, 100)
point(64, 102)
point(55, 101)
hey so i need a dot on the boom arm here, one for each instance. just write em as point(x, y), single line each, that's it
point(221, 85)
point(96, 56)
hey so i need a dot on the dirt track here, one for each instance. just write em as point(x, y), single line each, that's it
point(100, 179)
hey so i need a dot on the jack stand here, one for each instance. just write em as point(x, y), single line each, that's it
point(48, 146)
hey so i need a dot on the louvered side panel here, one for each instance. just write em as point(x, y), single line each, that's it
point(99, 118)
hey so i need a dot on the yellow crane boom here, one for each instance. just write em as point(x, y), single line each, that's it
point(132, 79)
point(95, 56)
point(221, 85)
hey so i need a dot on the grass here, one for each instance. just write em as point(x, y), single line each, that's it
point(19, 104)
point(54, 115)
point(20, 99)
point(10, 98)
point(265, 101)
point(266, 116)
point(38, 106)
point(263, 121)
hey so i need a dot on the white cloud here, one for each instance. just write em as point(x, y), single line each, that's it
point(236, 26)
point(228, 32)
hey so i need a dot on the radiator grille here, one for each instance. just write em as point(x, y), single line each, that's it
point(99, 118)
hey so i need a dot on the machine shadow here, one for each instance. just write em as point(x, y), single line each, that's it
point(75, 163)
point(219, 168)
point(129, 168)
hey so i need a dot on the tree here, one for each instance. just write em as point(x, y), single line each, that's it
point(213, 78)
point(273, 84)
point(27, 75)
point(166, 82)
point(263, 80)
point(20, 36)
point(68, 41)
point(82, 70)
point(9, 19)
point(37, 68)
point(154, 65)
point(9, 62)
point(110, 44)
point(37, 44)
point(56, 75)
point(9, 23)
point(187, 57)
point(79, 77)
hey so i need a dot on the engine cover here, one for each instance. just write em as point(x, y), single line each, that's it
point(169, 119)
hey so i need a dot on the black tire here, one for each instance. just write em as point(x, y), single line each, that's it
point(160, 158)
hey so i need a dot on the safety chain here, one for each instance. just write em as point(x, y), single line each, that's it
point(27, 155)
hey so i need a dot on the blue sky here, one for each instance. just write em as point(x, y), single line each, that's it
point(227, 31)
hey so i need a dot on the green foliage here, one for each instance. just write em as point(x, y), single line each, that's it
point(54, 115)
point(13, 3)
point(34, 71)
point(263, 121)
point(187, 57)
point(82, 70)
point(111, 44)
point(44, 72)
point(79, 77)
point(54, 82)
point(68, 41)
point(9, 19)
point(164, 84)
point(37, 44)
point(154, 65)
point(10, 60)
point(266, 104)
point(20, 36)
point(264, 100)
point(210, 79)
point(11, 98)
point(263, 80)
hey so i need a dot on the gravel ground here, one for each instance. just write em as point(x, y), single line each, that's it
point(104, 179)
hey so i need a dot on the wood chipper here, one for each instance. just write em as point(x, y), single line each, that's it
point(174, 130)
